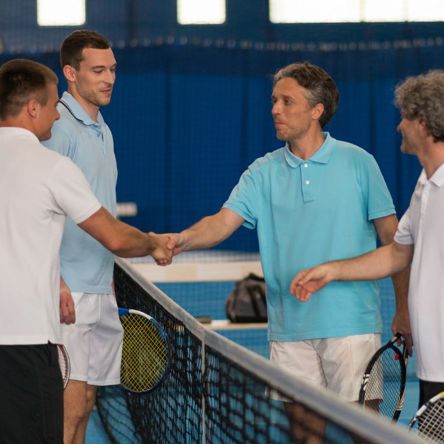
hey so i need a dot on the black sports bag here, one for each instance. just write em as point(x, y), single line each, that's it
point(247, 303)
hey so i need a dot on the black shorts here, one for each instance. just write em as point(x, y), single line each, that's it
point(428, 389)
point(31, 395)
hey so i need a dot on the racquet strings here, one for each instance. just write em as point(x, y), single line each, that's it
point(430, 424)
point(385, 383)
point(65, 366)
point(145, 353)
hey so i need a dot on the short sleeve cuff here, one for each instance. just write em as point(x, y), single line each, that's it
point(87, 214)
point(249, 222)
point(403, 239)
point(382, 213)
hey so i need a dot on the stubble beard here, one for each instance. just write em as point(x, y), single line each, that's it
point(95, 99)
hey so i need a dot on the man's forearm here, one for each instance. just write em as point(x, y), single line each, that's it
point(125, 240)
point(131, 242)
point(206, 233)
point(401, 287)
point(401, 318)
point(377, 264)
point(209, 231)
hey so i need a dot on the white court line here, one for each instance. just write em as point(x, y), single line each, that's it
point(126, 209)
point(199, 272)
point(225, 324)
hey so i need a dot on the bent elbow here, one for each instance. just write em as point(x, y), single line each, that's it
point(116, 246)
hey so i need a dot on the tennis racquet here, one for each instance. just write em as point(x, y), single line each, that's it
point(383, 383)
point(146, 352)
point(429, 420)
point(64, 363)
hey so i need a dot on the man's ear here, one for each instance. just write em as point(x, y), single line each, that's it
point(423, 128)
point(317, 111)
point(70, 73)
point(33, 108)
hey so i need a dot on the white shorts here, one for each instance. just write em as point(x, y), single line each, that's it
point(335, 363)
point(94, 342)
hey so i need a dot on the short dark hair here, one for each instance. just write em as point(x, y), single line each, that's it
point(320, 86)
point(422, 98)
point(20, 81)
point(76, 42)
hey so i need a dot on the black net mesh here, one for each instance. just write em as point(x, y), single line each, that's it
point(210, 396)
point(240, 407)
point(172, 413)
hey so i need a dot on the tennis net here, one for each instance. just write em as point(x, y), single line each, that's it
point(200, 282)
point(220, 392)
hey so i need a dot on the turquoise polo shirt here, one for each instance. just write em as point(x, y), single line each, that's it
point(307, 212)
point(86, 265)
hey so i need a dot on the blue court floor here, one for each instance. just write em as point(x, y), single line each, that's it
point(411, 401)
point(96, 434)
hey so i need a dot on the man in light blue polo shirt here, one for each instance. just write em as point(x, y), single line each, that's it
point(315, 199)
point(94, 342)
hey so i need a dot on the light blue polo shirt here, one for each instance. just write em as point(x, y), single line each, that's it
point(308, 212)
point(86, 265)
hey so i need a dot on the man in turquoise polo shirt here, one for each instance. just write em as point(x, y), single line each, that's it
point(315, 199)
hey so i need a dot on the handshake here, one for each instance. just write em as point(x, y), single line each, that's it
point(164, 246)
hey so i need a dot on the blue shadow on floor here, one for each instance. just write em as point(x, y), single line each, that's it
point(411, 401)
point(95, 433)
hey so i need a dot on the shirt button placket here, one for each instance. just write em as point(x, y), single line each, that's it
point(306, 182)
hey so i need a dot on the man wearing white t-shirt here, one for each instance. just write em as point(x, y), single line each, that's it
point(38, 190)
point(419, 240)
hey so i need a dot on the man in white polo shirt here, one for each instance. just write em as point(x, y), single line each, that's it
point(38, 190)
point(419, 240)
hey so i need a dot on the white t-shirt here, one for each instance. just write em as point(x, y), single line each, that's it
point(423, 226)
point(38, 189)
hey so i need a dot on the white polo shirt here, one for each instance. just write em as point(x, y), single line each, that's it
point(423, 226)
point(38, 189)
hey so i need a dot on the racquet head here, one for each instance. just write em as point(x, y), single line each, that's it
point(145, 353)
point(383, 384)
point(429, 420)
point(64, 363)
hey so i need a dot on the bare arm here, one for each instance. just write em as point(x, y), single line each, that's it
point(125, 240)
point(376, 264)
point(386, 228)
point(67, 309)
point(208, 232)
